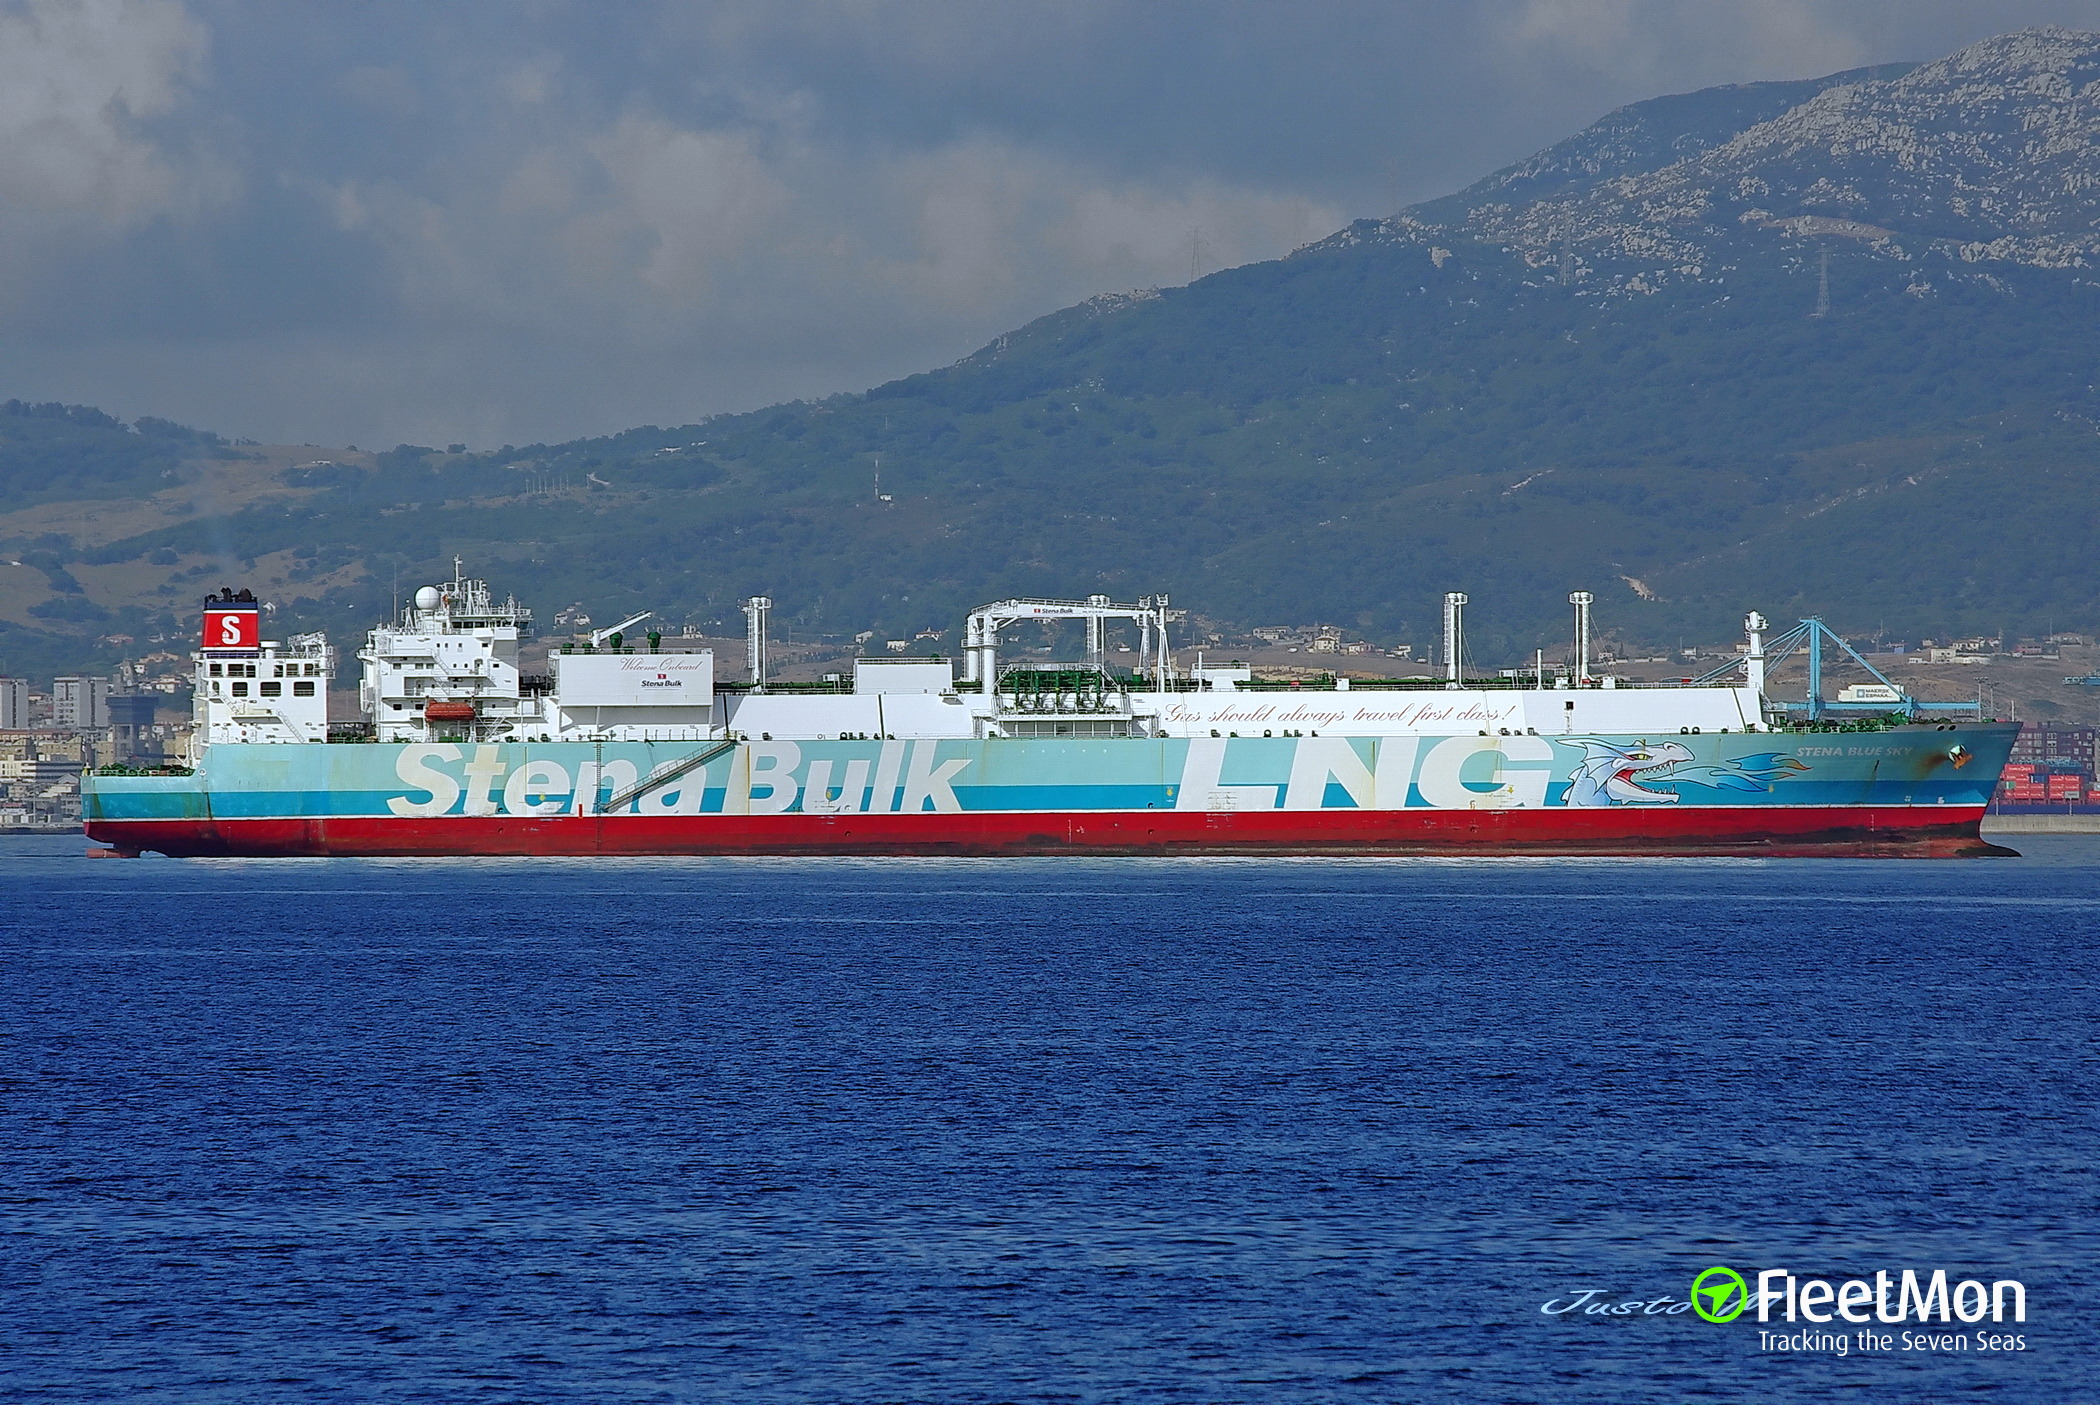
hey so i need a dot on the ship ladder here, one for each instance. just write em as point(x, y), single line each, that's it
point(665, 777)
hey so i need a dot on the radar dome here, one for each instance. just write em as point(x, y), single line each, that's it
point(429, 598)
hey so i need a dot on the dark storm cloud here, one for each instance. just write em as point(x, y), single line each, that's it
point(510, 221)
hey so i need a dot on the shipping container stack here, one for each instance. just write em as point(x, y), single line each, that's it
point(2052, 768)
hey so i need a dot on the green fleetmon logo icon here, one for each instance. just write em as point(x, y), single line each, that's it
point(1720, 1294)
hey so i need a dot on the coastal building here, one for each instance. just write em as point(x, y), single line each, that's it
point(79, 704)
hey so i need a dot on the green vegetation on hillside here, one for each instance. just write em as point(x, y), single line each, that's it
point(1340, 436)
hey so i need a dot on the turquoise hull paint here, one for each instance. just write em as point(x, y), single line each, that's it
point(1909, 766)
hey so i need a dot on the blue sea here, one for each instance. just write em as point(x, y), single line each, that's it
point(1036, 1130)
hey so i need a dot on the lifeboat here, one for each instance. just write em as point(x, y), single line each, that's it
point(448, 710)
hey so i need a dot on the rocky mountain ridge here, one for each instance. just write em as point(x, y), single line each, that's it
point(1991, 154)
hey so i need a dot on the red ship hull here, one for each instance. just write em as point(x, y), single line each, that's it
point(1938, 831)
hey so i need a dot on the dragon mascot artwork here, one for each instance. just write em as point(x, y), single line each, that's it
point(1606, 773)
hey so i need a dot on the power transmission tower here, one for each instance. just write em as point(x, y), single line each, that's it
point(1199, 251)
point(1822, 286)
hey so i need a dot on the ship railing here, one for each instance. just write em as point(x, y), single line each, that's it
point(446, 688)
point(668, 646)
point(1429, 684)
point(1879, 723)
point(775, 685)
point(1328, 683)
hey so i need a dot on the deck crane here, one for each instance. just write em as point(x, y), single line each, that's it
point(1812, 634)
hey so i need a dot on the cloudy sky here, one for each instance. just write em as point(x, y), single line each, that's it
point(310, 221)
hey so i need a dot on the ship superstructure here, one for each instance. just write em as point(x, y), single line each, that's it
point(256, 690)
point(633, 748)
point(448, 667)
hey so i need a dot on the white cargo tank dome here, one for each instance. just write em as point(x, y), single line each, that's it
point(429, 598)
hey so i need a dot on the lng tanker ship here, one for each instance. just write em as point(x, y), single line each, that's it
point(631, 749)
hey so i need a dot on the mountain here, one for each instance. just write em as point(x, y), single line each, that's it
point(1819, 346)
point(1987, 155)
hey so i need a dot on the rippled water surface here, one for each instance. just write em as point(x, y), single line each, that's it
point(982, 1131)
